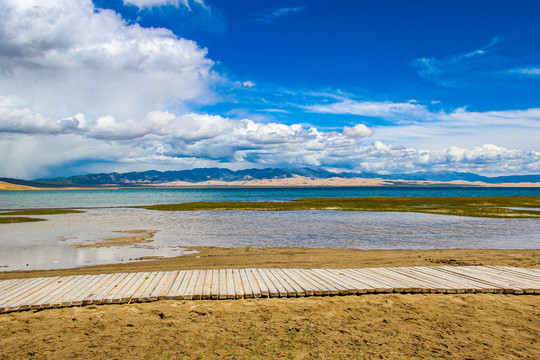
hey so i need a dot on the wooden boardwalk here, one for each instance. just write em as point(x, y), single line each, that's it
point(55, 292)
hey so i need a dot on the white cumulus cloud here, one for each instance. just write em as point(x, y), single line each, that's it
point(358, 131)
point(65, 57)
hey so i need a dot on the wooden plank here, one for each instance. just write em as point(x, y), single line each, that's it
point(340, 278)
point(378, 281)
point(149, 285)
point(399, 285)
point(435, 285)
point(282, 292)
point(190, 286)
point(147, 294)
point(475, 278)
point(207, 286)
point(502, 274)
point(164, 286)
point(296, 288)
point(458, 285)
point(138, 291)
point(214, 290)
point(198, 289)
point(342, 290)
point(105, 289)
point(246, 284)
point(502, 285)
point(303, 288)
point(450, 285)
point(66, 298)
point(362, 283)
point(519, 275)
point(179, 286)
point(265, 290)
point(5, 285)
point(238, 286)
point(371, 285)
point(354, 286)
point(411, 283)
point(391, 282)
point(29, 284)
point(310, 287)
point(477, 285)
point(272, 289)
point(35, 300)
point(123, 296)
point(84, 293)
point(508, 281)
point(230, 284)
point(417, 284)
point(25, 287)
point(113, 295)
point(257, 291)
point(326, 289)
point(57, 301)
point(523, 272)
point(19, 298)
point(284, 281)
point(222, 284)
point(47, 300)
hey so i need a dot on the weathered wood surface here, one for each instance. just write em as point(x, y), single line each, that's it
point(53, 292)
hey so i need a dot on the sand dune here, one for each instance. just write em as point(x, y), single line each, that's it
point(8, 186)
point(295, 181)
point(337, 181)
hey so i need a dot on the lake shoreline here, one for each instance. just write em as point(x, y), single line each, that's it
point(211, 257)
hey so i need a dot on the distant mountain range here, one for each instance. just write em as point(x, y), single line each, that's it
point(218, 174)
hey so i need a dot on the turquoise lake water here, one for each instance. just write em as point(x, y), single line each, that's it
point(52, 244)
point(127, 197)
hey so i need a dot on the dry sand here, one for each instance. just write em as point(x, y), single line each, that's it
point(14, 187)
point(9, 186)
point(301, 181)
point(389, 326)
point(294, 181)
point(385, 326)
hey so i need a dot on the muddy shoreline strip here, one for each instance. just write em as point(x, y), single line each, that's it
point(292, 257)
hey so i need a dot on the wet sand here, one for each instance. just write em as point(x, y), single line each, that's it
point(293, 257)
point(389, 326)
point(140, 237)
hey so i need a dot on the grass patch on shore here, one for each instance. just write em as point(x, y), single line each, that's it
point(484, 206)
point(11, 217)
point(40, 212)
point(18, 219)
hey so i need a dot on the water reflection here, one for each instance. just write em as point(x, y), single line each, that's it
point(48, 245)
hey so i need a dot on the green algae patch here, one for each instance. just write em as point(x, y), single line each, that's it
point(40, 212)
point(18, 219)
point(482, 206)
point(11, 217)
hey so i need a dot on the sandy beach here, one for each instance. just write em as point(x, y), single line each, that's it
point(389, 326)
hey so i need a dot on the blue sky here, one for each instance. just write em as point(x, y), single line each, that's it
point(381, 86)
